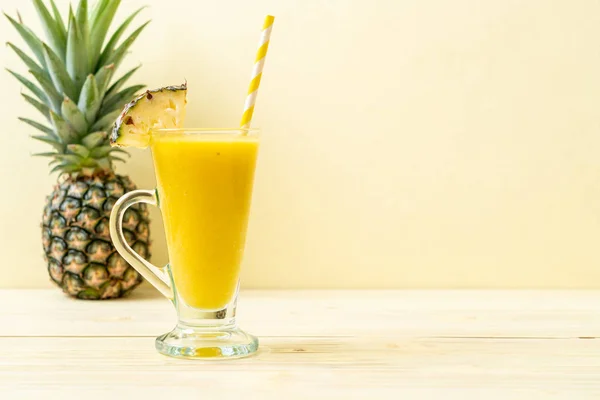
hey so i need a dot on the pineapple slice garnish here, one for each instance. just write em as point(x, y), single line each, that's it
point(161, 108)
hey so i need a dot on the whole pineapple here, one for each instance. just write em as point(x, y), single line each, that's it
point(73, 91)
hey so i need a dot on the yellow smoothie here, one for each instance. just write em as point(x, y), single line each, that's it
point(204, 190)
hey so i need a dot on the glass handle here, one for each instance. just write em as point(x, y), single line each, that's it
point(156, 276)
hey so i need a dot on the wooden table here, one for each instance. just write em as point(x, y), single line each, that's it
point(314, 344)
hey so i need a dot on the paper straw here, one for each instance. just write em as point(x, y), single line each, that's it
point(259, 63)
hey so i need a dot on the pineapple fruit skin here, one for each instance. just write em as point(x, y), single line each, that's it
point(80, 256)
point(70, 83)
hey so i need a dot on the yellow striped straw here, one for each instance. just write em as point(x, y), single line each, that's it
point(259, 63)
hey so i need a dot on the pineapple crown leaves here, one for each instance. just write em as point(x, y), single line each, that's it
point(72, 68)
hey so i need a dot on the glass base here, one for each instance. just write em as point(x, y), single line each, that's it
point(199, 343)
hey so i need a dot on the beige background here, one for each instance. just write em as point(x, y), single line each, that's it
point(406, 143)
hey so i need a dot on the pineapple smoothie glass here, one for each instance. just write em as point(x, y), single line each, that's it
point(204, 189)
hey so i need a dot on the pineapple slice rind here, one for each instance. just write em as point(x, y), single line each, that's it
point(162, 108)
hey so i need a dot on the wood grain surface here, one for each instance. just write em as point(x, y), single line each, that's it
point(314, 345)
